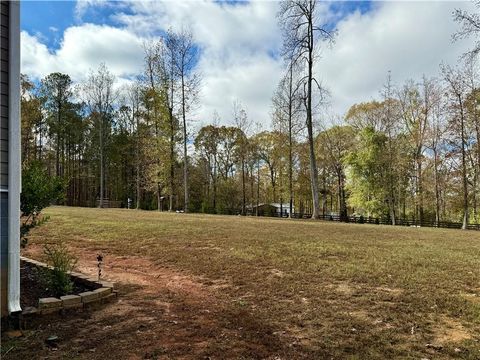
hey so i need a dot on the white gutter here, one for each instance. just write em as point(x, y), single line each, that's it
point(14, 160)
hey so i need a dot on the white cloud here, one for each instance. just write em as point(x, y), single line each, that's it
point(409, 38)
point(82, 6)
point(236, 42)
point(84, 47)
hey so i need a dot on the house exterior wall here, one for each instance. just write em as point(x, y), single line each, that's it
point(4, 45)
point(9, 156)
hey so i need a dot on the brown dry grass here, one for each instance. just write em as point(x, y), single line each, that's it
point(267, 288)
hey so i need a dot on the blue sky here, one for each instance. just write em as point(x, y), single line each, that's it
point(49, 19)
point(240, 43)
point(39, 17)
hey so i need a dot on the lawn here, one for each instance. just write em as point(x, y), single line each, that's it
point(205, 286)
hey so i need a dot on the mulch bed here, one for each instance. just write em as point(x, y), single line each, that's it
point(32, 288)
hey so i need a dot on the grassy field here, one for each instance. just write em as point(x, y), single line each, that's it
point(277, 288)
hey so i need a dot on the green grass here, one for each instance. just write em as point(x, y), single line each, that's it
point(326, 289)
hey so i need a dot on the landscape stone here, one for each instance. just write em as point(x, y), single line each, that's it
point(51, 302)
point(70, 299)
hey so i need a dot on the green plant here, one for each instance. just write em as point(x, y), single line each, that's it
point(62, 262)
point(39, 190)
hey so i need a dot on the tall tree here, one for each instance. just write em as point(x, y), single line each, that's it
point(185, 53)
point(456, 89)
point(161, 57)
point(243, 124)
point(56, 92)
point(131, 111)
point(286, 111)
point(336, 143)
point(32, 121)
point(367, 163)
point(157, 103)
point(437, 128)
point(207, 143)
point(299, 20)
point(269, 151)
point(99, 96)
point(389, 120)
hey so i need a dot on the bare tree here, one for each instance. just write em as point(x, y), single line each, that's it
point(473, 108)
point(436, 132)
point(163, 81)
point(470, 27)
point(286, 108)
point(157, 96)
point(130, 104)
point(99, 96)
point(416, 102)
point(389, 120)
point(169, 80)
point(456, 89)
point(185, 56)
point(299, 21)
point(243, 124)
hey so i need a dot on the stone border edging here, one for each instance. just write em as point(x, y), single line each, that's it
point(105, 291)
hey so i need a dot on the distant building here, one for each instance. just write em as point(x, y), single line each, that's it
point(272, 209)
point(10, 160)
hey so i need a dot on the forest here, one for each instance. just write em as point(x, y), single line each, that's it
point(412, 153)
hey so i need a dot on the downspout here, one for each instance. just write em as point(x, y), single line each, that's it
point(14, 163)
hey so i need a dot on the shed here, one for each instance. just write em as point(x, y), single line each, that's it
point(272, 209)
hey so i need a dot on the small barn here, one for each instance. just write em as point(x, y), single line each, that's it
point(273, 209)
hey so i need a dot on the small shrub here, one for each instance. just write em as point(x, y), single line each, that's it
point(39, 190)
point(57, 279)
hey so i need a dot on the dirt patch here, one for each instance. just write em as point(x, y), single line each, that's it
point(472, 297)
point(361, 315)
point(277, 273)
point(389, 291)
point(344, 288)
point(160, 313)
point(449, 330)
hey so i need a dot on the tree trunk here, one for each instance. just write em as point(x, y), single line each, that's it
point(172, 142)
point(341, 196)
point(464, 167)
point(244, 190)
point(391, 192)
point(215, 185)
point(420, 189)
point(172, 164)
point(437, 190)
point(313, 163)
point(258, 187)
point(185, 155)
point(290, 144)
point(272, 180)
point(137, 158)
point(100, 203)
point(159, 197)
point(57, 150)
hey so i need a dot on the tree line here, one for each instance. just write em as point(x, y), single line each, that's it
point(414, 153)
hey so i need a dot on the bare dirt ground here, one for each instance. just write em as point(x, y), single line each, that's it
point(160, 314)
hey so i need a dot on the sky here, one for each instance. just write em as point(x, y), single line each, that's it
point(239, 44)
